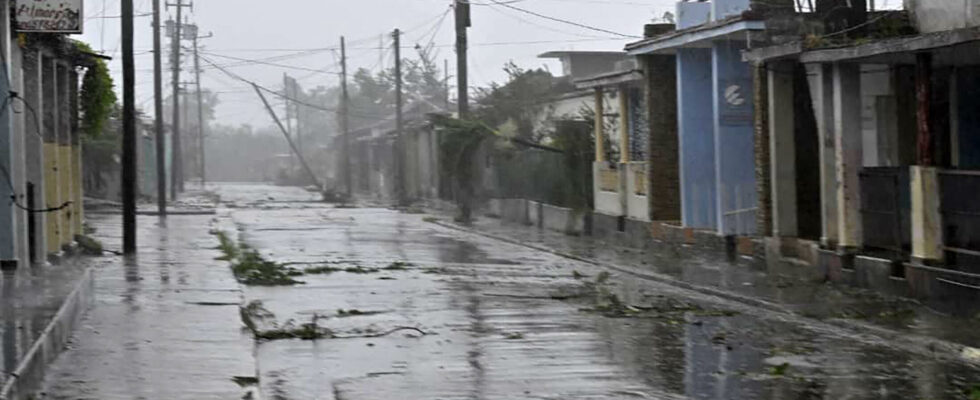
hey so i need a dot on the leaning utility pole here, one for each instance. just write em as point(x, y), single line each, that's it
point(129, 131)
point(399, 148)
point(289, 108)
point(462, 86)
point(177, 164)
point(161, 145)
point(200, 111)
point(344, 118)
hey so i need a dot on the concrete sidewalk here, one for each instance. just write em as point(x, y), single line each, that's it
point(163, 326)
point(42, 304)
point(780, 285)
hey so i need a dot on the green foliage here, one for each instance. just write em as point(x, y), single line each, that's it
point(459, 141)
point(250, 268)
point(97, 97)
point(520, 100)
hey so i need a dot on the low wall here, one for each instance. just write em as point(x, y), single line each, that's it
point(637, 204)
point(607, 189)
point(534, 213)
point(560, 219)
point(514, 210)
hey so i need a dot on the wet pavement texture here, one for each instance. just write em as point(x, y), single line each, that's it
point(414, 310)
point(32, 296)
point(786, 283)
point(164, 325)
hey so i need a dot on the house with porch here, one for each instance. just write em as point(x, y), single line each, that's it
point(714, 111)
point(889, 105)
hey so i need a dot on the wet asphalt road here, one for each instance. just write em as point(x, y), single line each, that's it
point(490, 320)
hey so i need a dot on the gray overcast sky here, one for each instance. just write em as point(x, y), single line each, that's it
point(263, 29)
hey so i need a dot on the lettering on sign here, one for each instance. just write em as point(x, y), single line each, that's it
point(52, 16)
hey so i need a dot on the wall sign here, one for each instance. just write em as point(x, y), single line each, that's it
point(736, 102)
point(51, 16)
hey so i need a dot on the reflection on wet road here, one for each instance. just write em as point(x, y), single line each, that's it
point(507, 322)
point(408, 309)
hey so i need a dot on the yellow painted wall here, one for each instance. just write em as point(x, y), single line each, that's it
point(52, 195)
point(65, 179)
point(79, 214)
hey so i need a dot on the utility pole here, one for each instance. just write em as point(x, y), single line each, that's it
point(445, 70)
point(292, 145)
point(185, 91)
point(399, 156)
point(161, 145)
point(200, 111)
point(285, 97)
point(462, 86)
point(129, 131)
point(177, 165)
point(344, 118)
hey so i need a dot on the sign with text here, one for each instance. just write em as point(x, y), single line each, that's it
point(51, 16)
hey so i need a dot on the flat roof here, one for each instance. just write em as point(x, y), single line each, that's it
point(562, 53)
point(695, 36)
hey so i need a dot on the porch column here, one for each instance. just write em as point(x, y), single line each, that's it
point(36, 167)
point(848, 141)
point(821, 90)
point(624, 124)
point(927, 227)
point(8, 230)
point(782, 149)
point(763, 160)
point(600, 145)
point(663, 164)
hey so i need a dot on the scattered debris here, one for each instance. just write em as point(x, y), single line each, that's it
point(250, 268)
point(355, 313)
point(245, 381)
point(779, 370)
point(89, 245)
point(398, 266)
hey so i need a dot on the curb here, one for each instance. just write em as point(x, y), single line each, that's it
point(924, 345)
point(29, 373)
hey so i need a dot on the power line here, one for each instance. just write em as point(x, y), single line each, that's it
point(277, 93)
point(556, 19)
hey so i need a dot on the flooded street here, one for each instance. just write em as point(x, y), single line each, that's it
point(387, 304)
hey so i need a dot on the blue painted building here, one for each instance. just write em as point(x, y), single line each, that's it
point(715, 112)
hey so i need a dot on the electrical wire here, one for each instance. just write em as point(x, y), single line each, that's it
point(556, 19)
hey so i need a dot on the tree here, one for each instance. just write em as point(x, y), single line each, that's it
point(519, 101)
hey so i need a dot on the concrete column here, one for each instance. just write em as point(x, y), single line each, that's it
point(20, 156)
point(782, 148)
point(624, 125)
point(600, 144)
point(927, 225)
point(734, 140)
point(848, 143)
point(8, 230)
point(78, 209)
point(52, 189)
point(821, 90)
point(35, 148)
point(696, 133)
point(65, 167)
point(663, 191)
point(763, 160)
